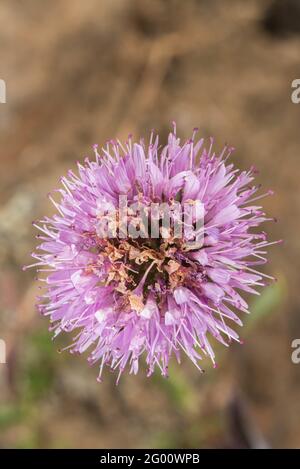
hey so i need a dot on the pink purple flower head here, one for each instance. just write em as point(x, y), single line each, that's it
point(123, 293)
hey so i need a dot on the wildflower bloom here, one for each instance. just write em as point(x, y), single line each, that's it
point(126, 296)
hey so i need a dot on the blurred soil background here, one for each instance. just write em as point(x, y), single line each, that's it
point(80, 72)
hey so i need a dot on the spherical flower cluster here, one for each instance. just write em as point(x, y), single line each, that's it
point(130, 293)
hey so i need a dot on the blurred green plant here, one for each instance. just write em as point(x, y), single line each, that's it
point(38, 373)
point(178, 389)
point(265, 304)
point(9, 415)
point(35, 380)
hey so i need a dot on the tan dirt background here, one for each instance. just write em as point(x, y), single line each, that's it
point(81, 72)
